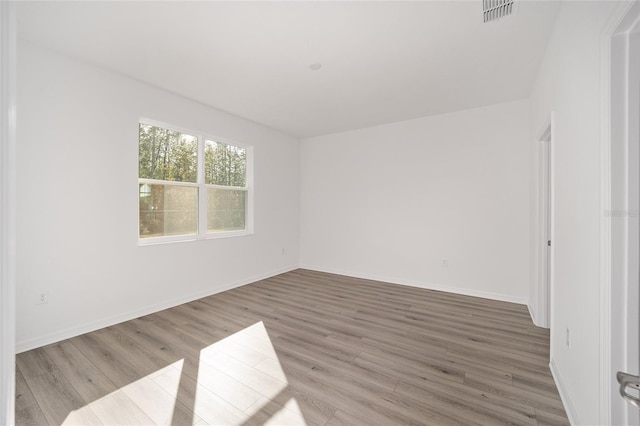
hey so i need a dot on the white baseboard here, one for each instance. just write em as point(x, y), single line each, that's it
point(420, 284)
point(532, 314)
point(535, 318)
point(48, 339)
point(572, 414)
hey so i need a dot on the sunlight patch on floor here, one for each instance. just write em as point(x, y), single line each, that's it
point(236, 380)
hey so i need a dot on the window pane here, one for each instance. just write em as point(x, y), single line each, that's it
point(224, 164)
point(226, 209)
point(165, 154)
point(167, 210)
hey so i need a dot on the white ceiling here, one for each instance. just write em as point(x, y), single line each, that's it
point(381, 61)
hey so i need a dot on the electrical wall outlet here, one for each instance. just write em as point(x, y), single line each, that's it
point(568, 338)
point(43, 297)
point(445, 262)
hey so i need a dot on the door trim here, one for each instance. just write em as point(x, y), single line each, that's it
point(611, 233)
point(8, 39)
point(544, 225)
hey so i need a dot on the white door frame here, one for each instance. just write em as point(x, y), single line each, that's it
point(620, 226)
point(7, 210)
point(543, 252)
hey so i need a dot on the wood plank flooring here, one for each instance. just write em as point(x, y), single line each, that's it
point(301, 348)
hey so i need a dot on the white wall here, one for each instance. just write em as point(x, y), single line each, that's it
point(77, 202)
point(390, 202)
point(569, 84)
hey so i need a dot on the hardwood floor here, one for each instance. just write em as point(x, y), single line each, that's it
point(301, 348)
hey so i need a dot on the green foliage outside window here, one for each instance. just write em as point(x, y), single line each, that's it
point(165, 154)
point(225, 164)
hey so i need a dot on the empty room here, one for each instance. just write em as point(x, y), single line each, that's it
point(320, 212)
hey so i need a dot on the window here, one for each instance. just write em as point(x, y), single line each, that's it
point(190, 186)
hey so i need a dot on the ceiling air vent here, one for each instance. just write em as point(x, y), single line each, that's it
point(496, 9)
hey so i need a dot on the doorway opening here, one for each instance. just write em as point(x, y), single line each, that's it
point(545, 221)
point(541, 294)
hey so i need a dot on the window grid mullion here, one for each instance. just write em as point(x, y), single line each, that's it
point(202, 189)
point(234, 188)
point(167, 182)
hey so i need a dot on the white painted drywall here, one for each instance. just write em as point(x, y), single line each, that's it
point(391, 202)
point(77, 202)
point(569, 84)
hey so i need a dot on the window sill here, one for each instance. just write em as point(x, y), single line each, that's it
point(152, 241)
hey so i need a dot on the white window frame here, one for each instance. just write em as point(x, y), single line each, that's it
point(201, 233)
